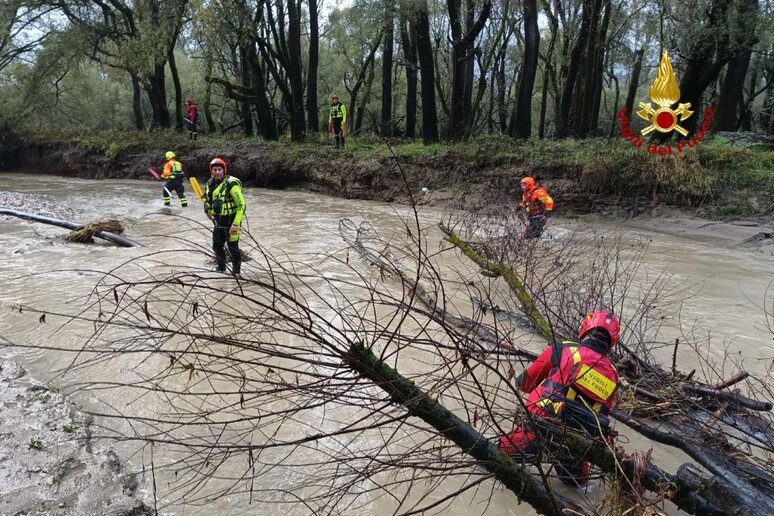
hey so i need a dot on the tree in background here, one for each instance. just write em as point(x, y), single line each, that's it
point(460, 68)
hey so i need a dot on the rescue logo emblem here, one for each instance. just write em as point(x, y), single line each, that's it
point(664, 92)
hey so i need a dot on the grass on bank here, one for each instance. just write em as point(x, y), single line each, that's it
point(723, 179)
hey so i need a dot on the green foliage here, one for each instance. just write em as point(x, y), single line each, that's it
point(112, 150)
point(36, 444)
point(52, 388)
point(68, 428)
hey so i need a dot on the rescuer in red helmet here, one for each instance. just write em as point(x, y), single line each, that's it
point(574, 382)
point(225, 205)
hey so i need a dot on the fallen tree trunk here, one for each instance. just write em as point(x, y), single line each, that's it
point(419, 404)
point(742, 401)
point(511, 278)
point(517, 479)
point(735, 474)
point(106, 235)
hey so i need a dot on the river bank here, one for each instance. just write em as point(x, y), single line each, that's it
point(720, 179)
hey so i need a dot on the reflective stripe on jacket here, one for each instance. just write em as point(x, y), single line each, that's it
point(536, 201)
point(338, 111)
point(580, 374)
point(227, 195)
point(172, 169)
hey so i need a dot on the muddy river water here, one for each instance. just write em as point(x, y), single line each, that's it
point(38, 268)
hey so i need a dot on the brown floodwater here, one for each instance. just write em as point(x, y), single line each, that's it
point(726, 286)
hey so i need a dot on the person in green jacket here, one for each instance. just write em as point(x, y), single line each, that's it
point(337, 121)
point(224, 204)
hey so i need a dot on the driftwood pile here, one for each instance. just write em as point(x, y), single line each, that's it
point(110, 230)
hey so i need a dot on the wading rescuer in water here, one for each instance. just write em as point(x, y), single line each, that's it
point(224, 204)
point(173, 173)
point(575, 383)
point(537, 204)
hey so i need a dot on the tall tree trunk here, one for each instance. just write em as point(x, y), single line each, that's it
point(599, 65)
point(178, 89)
point(766, 116)
point(585, 104)
point(246, 72)
point(139, 119)
point(719, 43)
point(208, 95)
point(386, 125)
point(548, 70)
point(490, 122)
point(366, 97)
point(462, 48)
point(295, 71)
point(155, 88)
point(563, 117)
point(523, 125)
point(267, 125)
point(501, 109)
point(409, 41)
point(614, 122)
point(427, 74)
point(732, 94)
point(634, 82)
point(470, 55)
point(312, 110)
point(746, 123)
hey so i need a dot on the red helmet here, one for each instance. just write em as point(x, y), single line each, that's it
point(188, 100)
point(218, 161)
point(529, 182)
point(603, 319)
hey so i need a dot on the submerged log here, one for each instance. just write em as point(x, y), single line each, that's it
point(106, 235)
point(742, 401)
point(718, 492)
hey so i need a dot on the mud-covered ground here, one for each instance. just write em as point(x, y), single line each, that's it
point(48, 463)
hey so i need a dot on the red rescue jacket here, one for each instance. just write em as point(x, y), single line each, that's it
point(536, 201)
point(581, 374)
point(190, 112)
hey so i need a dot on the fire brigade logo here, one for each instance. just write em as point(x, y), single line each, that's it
point(664, 92)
